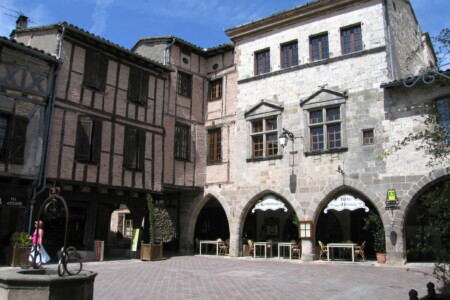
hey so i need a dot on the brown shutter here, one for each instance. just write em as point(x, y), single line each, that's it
point(97, 141)
point(83, 145)
point(133, 83)
point(143, 90)
point(102, 69)
point(89, 69)
point(18, 139)
point(141, 151)
point(130, 150)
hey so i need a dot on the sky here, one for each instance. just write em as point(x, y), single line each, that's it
point(200, 22)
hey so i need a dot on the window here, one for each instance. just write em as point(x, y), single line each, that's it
point(215, 89)
point(262, 62)
point(95, 68)
point(184, 84)
point(443, 111)
point(319, 47)
point(264, 135)
point(134, 148)
point(214, 145)
point(368, 138)
point(88, 144)
point(325, 129)
point(351, 39)
point(289, 55)
point(138, 86)
point(13, 131)
point(182, 140)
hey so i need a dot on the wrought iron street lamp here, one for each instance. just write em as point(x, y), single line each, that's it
point(284, 138)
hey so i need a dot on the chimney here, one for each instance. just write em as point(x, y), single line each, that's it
point(22, 22)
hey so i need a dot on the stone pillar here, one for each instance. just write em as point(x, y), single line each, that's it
point(308, 250)
point(235, 249)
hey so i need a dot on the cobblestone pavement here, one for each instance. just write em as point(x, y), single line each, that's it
point(211, 277)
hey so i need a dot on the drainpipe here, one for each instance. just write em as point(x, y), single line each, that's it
point(40, 186)
point(166, 51)
point(389, 39)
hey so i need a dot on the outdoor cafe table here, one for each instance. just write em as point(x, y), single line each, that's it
point(286, 244)
point(341, 245)
point(210, 243)
point(264, 245)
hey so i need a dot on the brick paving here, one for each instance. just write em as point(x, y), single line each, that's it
point(211, 277)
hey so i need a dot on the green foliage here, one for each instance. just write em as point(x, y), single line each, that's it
point(374, 225)
point(294, 219)
point(151, 218)
point(20, 239)
point(441, 45)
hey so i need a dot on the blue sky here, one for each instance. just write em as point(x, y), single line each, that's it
point(200, 22)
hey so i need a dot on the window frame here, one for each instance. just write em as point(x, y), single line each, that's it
point(138, 86)
point(134, 148)
point(289, 52)
point(324, 123)
point(352, 41)
point(182, 141)
point(95, 70)
point(214, 153)
point(88, 140)
point(443, 118)
point(216, 89)
point(14, 139)
point(262, 64)
point(368, 140)
point(260, 138)
point(184, 84)
point(321, 55)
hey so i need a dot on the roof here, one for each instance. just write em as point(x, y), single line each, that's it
point(95, 39)
point(426, 76)
point(31, 50)
point(206, 52)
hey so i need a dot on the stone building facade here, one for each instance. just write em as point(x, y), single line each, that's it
point(326, 74)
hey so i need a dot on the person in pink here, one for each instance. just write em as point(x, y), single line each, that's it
point(36, 239)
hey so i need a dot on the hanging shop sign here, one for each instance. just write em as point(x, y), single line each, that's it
point(347, 202)
point(392, 200)
point(269, 202)
point(12, 201)
point(134, 243)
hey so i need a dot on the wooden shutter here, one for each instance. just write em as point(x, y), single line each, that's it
point(130, 149)
point(89, 69)
point(143, 89)
point(18, 139)
point(133, 85)
point(96, 141)
point(102, 69)
point(141, 150)
point(84, 135)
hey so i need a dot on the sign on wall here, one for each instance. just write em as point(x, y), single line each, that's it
point(347, 202)
point(11, 201)
point(269, 202)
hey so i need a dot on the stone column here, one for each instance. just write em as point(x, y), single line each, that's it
point(308, 250)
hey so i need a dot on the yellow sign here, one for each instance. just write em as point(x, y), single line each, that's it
point(392, 195)
point(134, 244)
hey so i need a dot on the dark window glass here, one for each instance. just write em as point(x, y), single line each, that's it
point(134, 148)
point(289, 55)
point(138, 86)
point(182, 140)
point(368, 137)
point(325, 135)
point(215, 89)
point(319, 47)
point(443, 110)
point(264, 136)
point(13, 132)
point(262, 62)
point(351, 39)
point(184, 84)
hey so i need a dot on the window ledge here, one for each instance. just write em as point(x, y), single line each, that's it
point(312, 153)
point(264, 158)
point(213, 163)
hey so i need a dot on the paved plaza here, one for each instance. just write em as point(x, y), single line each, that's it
point(211, 277)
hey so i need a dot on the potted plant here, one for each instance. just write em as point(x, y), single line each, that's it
point(19, 242)
point(151, 251)
point(374, 225)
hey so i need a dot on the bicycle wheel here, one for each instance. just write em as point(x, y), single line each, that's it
point(61, 269)
point(73, 265)
point(25, 260)
point(38, 261)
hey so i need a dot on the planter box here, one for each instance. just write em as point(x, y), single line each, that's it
point(15, 253)
point(151, 252)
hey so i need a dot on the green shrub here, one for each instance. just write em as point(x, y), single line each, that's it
point(20, 239)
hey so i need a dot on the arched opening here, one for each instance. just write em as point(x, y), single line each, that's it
point(342, 220)
point(426, 230)
point(271, 218)
point(212, 223)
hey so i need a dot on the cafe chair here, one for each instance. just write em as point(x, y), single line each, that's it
point(296, 249)
point(359, 250)
point(323, 250)
point(224, 247)
point(251, 247)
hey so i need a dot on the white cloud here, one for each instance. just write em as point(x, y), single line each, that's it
point(100, 16)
